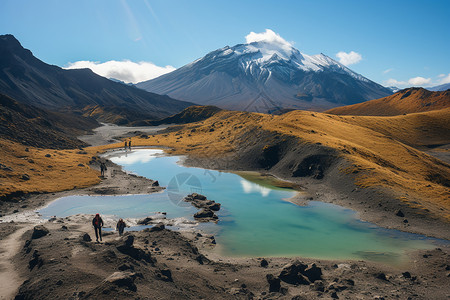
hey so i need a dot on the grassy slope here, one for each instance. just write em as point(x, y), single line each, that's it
point(379, 148)
point(47, 174)
point(410, 100)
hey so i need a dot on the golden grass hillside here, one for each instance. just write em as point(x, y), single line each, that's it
point(30, 170)
point(406, 101)
point(372, 145)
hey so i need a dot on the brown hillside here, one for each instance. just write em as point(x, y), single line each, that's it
point(372, 145)
point(34, 170)
point(406, 101)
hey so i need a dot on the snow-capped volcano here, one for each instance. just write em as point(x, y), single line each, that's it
point(266, 76)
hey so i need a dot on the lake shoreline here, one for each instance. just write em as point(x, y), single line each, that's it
point(238, 278)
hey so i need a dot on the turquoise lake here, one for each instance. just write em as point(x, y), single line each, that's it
point(254, 220)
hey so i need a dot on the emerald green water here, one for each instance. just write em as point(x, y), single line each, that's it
point(254, 220)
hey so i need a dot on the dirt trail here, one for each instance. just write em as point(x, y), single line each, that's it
point(9, 276)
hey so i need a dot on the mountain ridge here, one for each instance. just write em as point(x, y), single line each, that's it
point(30, 80)
point(266, 77)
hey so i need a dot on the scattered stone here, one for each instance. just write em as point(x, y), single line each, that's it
point(39, 231)
point(64, 227)
point(318, 286)
point(292, 273)
point(165, 275)
point(313, 273)
point(35, 261)
point(334, 295)
point(25, 177)
point(80, 165)
point(86, 237)
point(155, 183)
point(264, 263)
point(200, 201)
point(48, 155)
point(206, 215)
point(123, 279)
point(400, 214)
point(274, 283)
point(381, 276)
point(81, 152)
point(406, 275)
point(59, 282)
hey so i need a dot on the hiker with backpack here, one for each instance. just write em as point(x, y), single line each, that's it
point(97, 222)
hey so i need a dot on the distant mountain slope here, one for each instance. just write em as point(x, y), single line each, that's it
point(442, 87)
point(188, 115)
point(29, 80)
point(266, 77)
point(410, 100)
point(36, 127)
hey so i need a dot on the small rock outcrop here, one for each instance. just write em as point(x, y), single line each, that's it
point(125, 246)
point(86, 237)
point(299, 273)
point(208, 207)
point(122, 279)
point(39, 231)
point(274, 283)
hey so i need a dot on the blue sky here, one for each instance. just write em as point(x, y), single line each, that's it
point(397, 40)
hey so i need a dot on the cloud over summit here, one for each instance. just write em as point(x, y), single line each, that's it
point(269, 36)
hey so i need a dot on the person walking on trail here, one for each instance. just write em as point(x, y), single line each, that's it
point(125, 145)
point(97, 222)
point(120, 226)
point(129, 145)
point(103, 168)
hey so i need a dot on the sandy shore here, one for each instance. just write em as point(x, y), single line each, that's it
point(166, 265)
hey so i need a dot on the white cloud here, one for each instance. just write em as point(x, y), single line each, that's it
point(125, 70)
point(419, 81)
point(444, 79)
point(394, 82)
point(268, 36)
point(349, 58)
point(388, 70)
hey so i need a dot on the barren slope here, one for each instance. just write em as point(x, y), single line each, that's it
point(406, 101)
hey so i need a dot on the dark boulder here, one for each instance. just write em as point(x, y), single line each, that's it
point(205, 213)
point(35, 261)
point(292, 273)
point(39, 231)
point(123, 279)
point(155, 183)
point(86, 237)
point(274, 283)
point(215, 206)
point(264, 263)
point(313, 273)
point(399, 213)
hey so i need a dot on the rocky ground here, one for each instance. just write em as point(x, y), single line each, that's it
point(58, 259)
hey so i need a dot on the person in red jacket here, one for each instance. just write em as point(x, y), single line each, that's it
point(97, 222)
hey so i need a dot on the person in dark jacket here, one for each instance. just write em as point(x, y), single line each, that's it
point(120, 226)
point(103, 168)
point(97, 222)
point(129, 145)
